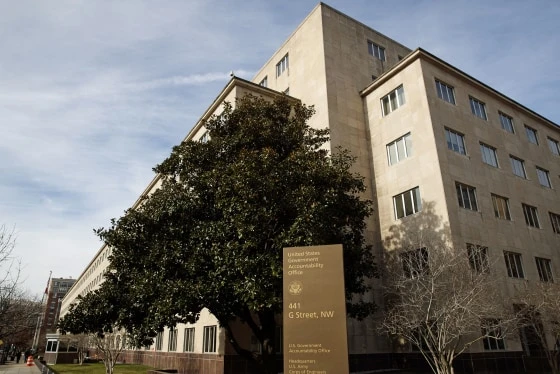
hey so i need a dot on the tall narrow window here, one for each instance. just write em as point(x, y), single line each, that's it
point(445, 92)
point(393, 100)
point(407, 203)
point(209, 339)
point(531, 216)
point(264, 82)
point(188, 340)
point(478, 257)
point(466, 196)
point(555, 220)
point(518, 167)
point(205, 137)
point(478, 108)
point(376, 50)
point(399, 149)
point(489, 155)
point(501, 207)
point(554, 146)
point(493, 337)
point(159, 341)
point(531, 135)
point(282, 66)
point(172, 341)
point(507, 122)
point(544, 178)
point(455, 141)
point(544, 269)
point(514, 264)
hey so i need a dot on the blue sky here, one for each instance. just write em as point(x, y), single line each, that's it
point(93, 94)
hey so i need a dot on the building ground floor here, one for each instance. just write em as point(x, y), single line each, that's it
point(194, 363)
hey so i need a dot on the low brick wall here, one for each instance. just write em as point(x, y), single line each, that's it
point(183, 363)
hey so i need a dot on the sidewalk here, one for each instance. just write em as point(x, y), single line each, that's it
point(10, 367)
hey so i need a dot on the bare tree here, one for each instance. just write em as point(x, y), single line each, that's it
point(78, 342)
point(16, 307)
point(111, 346)
point(439, 299)
point(539, 315)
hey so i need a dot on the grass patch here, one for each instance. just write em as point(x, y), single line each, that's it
point(98, 368)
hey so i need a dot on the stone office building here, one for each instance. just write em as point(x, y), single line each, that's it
point(422, 131)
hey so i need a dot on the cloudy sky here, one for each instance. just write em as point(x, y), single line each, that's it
point(93, 94)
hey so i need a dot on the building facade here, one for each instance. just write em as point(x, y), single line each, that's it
point(56, 290)
point(424, 134)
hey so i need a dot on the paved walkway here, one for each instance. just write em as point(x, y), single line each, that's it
point(10, 367)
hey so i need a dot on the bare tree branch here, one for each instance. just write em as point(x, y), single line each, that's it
point(439, 299)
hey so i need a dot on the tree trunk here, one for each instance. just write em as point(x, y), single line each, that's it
point(268, 330)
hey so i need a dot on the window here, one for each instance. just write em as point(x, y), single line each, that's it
point(531, 216)
point(188, 340)
point(544, 269)
point(445, 92)
point(415, 262)
point(205, 137)
point(264, 82)
point(507, 122)
point(518, 167)
point(278, 339)
point(513, 264)
point(399, 149)
point(455, 141)
point(478, 108)
point(282, 66)
point(466, 196)
point(286, 91)
point(544, 178)
point(376, 50)
point(209, 339)
point(501, 207)
point(159, 341)
point(407, 203)
point(52, 346)
point(489, 155)
point(554, 146)
point(493, 337)
point(393, 100)
point(531, 134)
point(478, 258)
point(555, 220)
point(256, 346)
point(172, 341)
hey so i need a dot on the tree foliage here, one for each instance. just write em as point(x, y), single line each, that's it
point(211, 236)
point(439, 299)
point(96, 316)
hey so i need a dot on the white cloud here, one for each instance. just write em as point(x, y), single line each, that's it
point(94, 93)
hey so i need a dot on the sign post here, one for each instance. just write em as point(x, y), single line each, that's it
point(315, 340)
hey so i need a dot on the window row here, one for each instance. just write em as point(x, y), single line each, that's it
point(466, 196)
point(208, 340)
point(415, 263)
point(456, 143)
point(409, 202)
point(446, 92)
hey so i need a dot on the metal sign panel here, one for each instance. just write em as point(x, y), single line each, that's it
point(315, 340)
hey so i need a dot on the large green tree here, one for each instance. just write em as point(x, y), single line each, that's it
point(212, 234)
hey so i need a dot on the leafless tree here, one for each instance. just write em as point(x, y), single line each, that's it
point(439, 299)
point(111, 346)
point(17, 309)
point(79, 342)
point(539, 316)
